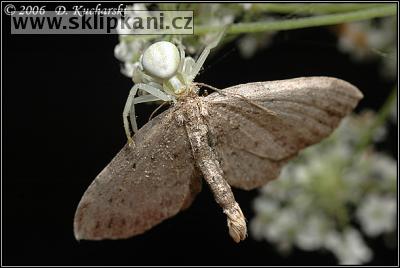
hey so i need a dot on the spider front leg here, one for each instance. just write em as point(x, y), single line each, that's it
point(129, 110)
point(186, 64)
point(181, 49)
point(203, 56)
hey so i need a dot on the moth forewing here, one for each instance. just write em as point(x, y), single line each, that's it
point(253, 144)
point(141, 186)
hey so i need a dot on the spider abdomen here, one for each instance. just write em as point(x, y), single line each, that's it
point(161, 60)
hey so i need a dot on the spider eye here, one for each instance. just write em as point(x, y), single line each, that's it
point(161, 60)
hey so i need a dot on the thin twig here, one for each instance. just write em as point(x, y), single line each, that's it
point(313, 8)
point(314, 21)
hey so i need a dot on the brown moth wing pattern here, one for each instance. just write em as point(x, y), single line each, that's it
point(253, 143)
point(140, 187)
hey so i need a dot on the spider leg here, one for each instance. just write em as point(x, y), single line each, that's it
point(182, 55)
point(187, 68)
point(125, 113)
point(157, 92)
point(145, 98)
point(129, 109)
point(203, 56)
point(140, 99)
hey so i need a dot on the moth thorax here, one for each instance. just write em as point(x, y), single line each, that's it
point(161, 60)
point(176, 84)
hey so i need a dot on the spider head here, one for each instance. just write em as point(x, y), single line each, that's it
point(161, 60)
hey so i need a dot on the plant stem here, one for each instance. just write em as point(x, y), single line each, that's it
point(311, 8)
point(253, 27)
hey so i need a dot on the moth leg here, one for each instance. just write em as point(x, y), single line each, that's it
point(129, 109)
point(209, 165)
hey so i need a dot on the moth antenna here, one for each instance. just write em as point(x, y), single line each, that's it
point(226, 94)
point(210, 87)
point(156, 110)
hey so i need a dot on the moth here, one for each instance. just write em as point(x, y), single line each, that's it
point(240, 136)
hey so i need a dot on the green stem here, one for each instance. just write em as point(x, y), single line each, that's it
point(380, 119)
point(311, 8)
point(252, 27)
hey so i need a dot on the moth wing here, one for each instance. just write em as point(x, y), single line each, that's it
point(253, 141)
point(140, 187)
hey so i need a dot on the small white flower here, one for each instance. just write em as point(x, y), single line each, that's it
point(248, 46)
point(282, 227)
point(377, 215)
point(129, 51)
point(383, 167)
point(311, 234)
point(379, 134)
point(122, 52)
point(127, 69)
point(246, 6)
point(275, 189)
point(138, 6)
point(136, 10)
point(302, 175)
point(265, 206)
point(348, 247)
point(122, 29)
point(302, 201)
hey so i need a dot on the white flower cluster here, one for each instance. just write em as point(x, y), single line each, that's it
point(322, 196)
point(131, 46)
point(369, 40)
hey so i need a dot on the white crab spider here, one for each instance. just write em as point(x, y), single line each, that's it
point(165, 73)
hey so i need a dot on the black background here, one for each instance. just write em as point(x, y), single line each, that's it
point(62, 103)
